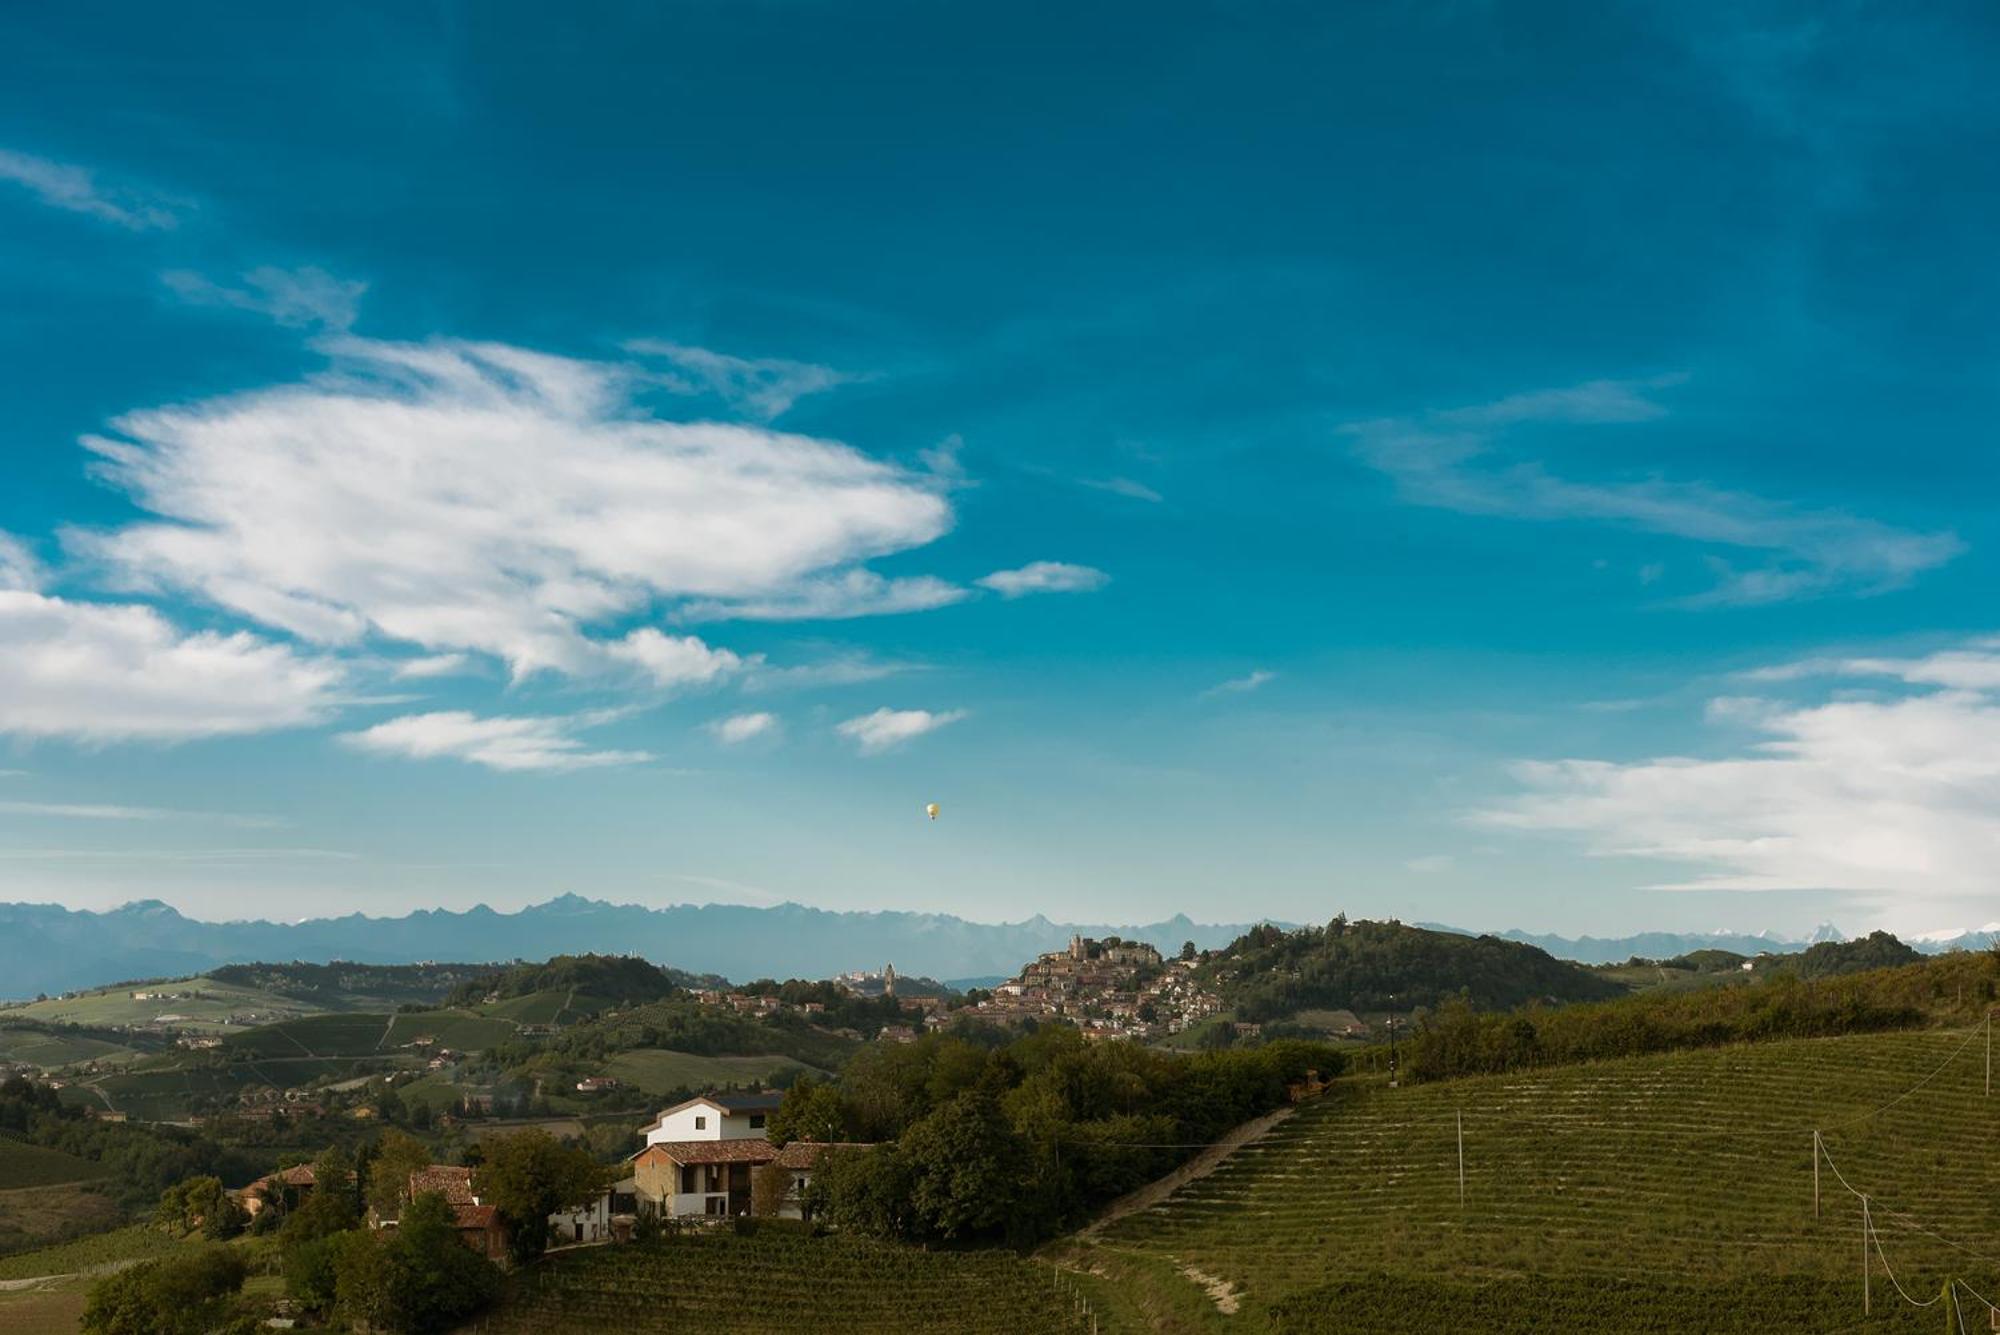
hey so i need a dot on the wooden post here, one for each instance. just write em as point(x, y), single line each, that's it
point(1866, 1305)
point(1989, 1052)
point(1461, 1158)
point(1815, 1174)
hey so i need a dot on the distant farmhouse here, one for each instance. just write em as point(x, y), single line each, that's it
point(701, 1157)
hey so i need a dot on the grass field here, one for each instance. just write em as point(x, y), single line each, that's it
point(203, 1003)
point(32, 1166)
point(659, 1071)
point(721, 1283)
point(1690, 1173)
point(332, 1035)
point(50, 1051)
point(33, 1217)
point(53, 1309)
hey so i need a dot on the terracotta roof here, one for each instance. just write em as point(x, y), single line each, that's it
point(455, 1183)
point(466, 1215)
point(808, 1153)
point(748, 1150)
point(298, 1175)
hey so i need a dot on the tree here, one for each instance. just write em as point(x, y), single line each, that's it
point(418, 1279)
point(182, 1295)
point(200, 1203)
point(811, 1110)
point(397, 1156)
point(529, 1176)
point(1187, 950)
point(965, 1167)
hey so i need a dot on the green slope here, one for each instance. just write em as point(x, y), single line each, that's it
point(731, 1285)
point(1690, 1173)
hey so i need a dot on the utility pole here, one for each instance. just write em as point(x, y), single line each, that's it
point(1461, 1159)
point(1867, 1306)
point(1392, 1040)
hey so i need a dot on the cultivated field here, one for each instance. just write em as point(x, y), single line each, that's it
point(33, 1166)
point(659, 1071)
point(1691, 1173)
point(723, 1284)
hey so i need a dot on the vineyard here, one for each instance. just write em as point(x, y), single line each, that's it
point(24, 1165)
point(135, 1243)
point(1691, 1173)
point(721, 1283)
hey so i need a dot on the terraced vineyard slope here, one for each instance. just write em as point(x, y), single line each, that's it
point(721, 1283)
point(1689, 1175)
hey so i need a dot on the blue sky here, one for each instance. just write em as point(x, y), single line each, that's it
point(1516, 465)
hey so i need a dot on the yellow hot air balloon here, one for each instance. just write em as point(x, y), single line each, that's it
point(931, 811)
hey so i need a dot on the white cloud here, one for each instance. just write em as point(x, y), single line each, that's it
point(1044, 577)
point(110, 672)
point(674, 660)
point(1240, 685)
point(500, 743)
point(1894, 796)
point(432, 665)
point(841, 597)
point(886, 728)
point(18, 567)
point(64, 186)
point(739, 728)
point(1446, 459)
point(764, 387)
point(1430, 863)
point(295, 298)
point(481, 497)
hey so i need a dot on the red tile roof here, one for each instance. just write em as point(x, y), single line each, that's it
point(808, 1153)
point(749, 1150)
point(469, 1216)
point(455, 1183)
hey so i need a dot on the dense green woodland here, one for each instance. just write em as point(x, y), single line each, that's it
point(1268, 974)
point(1458, 1040)
point(1017, 1142)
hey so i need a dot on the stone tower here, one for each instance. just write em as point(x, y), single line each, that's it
point(888, 980)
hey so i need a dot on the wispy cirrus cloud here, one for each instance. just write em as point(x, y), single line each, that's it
point(98, 811)
point(508, 744)
point(764, 387)
point(1450, 459)
point(1045, 577)
point(1243, 685)
point(477, 497)
point(76, 189)
point(1122, 486)
point(1892, 796)
point(305, 298)
point(837, 597)
point(887, 728)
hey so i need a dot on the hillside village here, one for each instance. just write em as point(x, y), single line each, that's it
point(1108, 988)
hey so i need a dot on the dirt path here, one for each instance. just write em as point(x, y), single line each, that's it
point(1146, 1197)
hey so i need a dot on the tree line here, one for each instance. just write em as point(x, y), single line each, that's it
point(1014, 1143)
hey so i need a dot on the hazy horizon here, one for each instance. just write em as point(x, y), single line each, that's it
point(1505, 466)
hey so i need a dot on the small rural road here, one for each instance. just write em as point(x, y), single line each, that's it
point(1146, 1197)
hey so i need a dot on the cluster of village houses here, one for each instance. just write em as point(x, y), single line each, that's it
point(1108, 989)
point(701, 1159)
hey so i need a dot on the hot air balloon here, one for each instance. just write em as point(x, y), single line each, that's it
point(931, 810)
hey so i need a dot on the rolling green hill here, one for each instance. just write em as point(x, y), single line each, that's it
point(1269, 974)
point(33, 1166)
point(1679, 1186)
